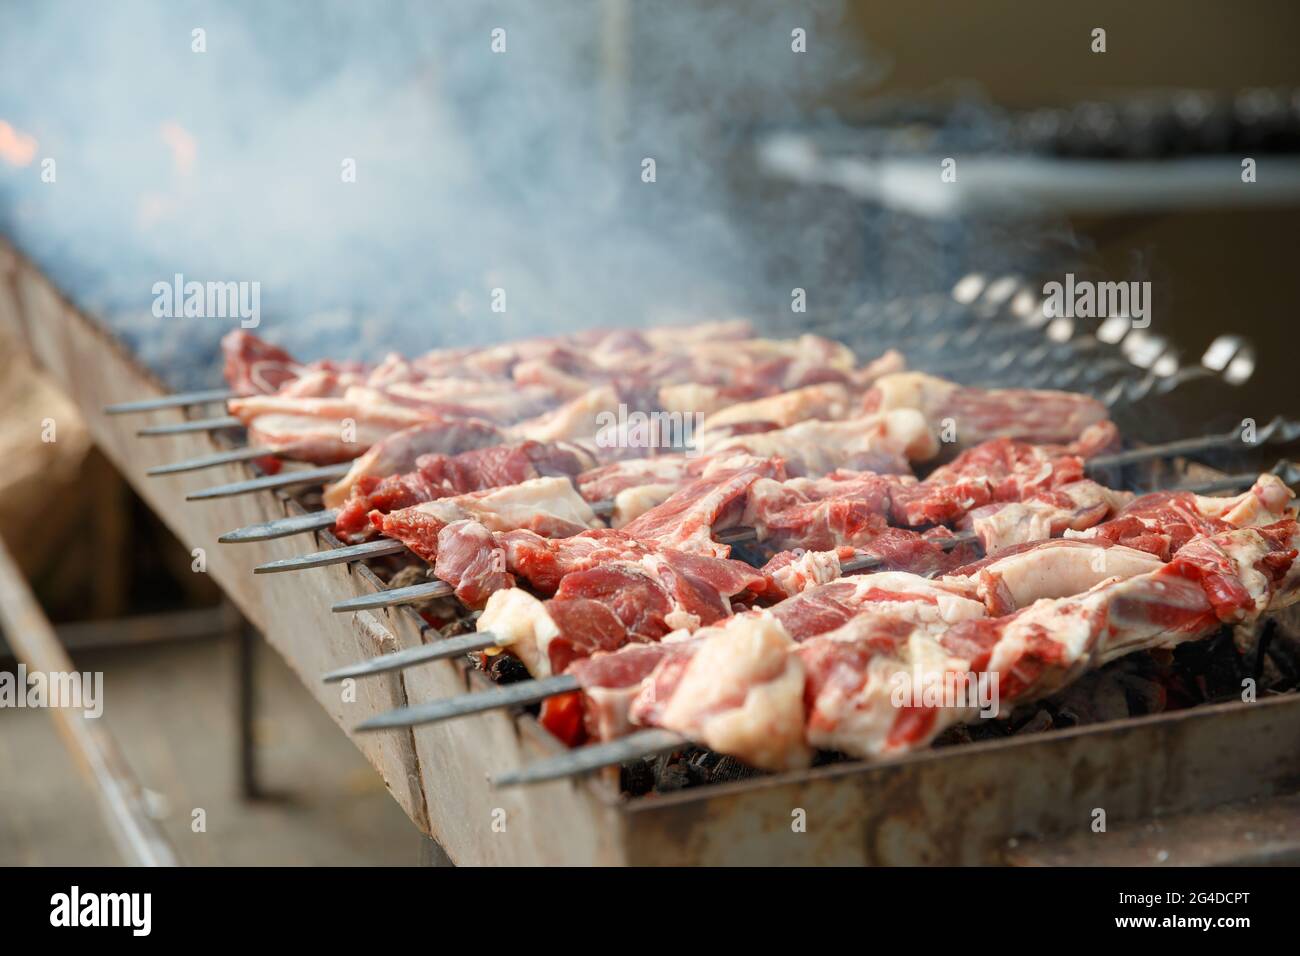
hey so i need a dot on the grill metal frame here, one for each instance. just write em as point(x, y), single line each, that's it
point(961, 804)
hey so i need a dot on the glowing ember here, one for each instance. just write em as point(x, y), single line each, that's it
point(16, 147)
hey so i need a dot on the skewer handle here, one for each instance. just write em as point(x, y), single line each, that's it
point(194, 425)
point(213, 461)
point(643, 743)
point(509, 695)
point(394, 596)
point(320, 559)
point(399, 660)
point(306, 476)
point(179, 400)
point(281, 527)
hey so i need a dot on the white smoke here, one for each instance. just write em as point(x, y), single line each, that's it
point(475, 170)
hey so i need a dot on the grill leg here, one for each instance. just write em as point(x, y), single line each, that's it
point(249, 786)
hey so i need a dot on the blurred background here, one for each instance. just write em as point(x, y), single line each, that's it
point(795, 145)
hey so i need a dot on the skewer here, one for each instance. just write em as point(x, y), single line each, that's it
point(399, 660)
point(642, 743)
point(1279, 429)
point(179, 400)
point(212, 461)
point(194, 425)
point(651, 742)
point(306, 476)
point(439, 589)
point(508, 695)
point(281, 527)
point(386, 546)
point(320, 559)
point(393, 596)
point(480, 702)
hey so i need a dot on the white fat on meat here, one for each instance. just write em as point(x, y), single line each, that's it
point(821, 447)
point(398, 451)
point(1073, 507)
point(332, 409)
point(690, 398)
point(740, 693)
point(1054, 569)
point(853, 710)
point(1265, 502)
point(891, 362)
point(828, 400)
point(576, 418)
point(550, 506)
point(928, 394)
point(933, 603)
point(1072, 625)
point(544, 373)
point(1245, 549)
point(312, 439)
point(807, 570)
point(632, 503)
point(520, 622)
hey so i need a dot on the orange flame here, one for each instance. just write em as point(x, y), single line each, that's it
point(184, 149)
point(16, 147)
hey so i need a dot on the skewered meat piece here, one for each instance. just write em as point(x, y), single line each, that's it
point(998, 470)
point(400, 452)
point(256, 367)
point(615, 603)
point(1230, 577)
point(977, 414)
point(749, 688)
point(898, 602)
point(1164, 521)
point(875, 442)
point(321, 430)
point(1160, 523)
point(1046, 514)
point(550, 507)
point(688, 519)
point(889, 610)
point(829, 400)
point(842, 508)
point(890, 549)
point(590, 373)
point(441, 475)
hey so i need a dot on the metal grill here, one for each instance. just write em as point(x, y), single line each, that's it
point(962, 800)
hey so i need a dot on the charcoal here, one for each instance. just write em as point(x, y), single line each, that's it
point(1142, 695)
point(675, 776)
point(1040, 721)
point(411, 574)
point(506, 669)
point(636, 778)
point(729, 768)
point(953, 736)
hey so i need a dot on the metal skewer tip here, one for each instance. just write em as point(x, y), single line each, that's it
point(306, 476)
point(179, 400)
point(281, 527)
point(400, 660)
point(1278, 429)
point(394, 596)
point(320, 559)
point(194, 425)
point(212, 461)
point(510, 695)
point(643, 743)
